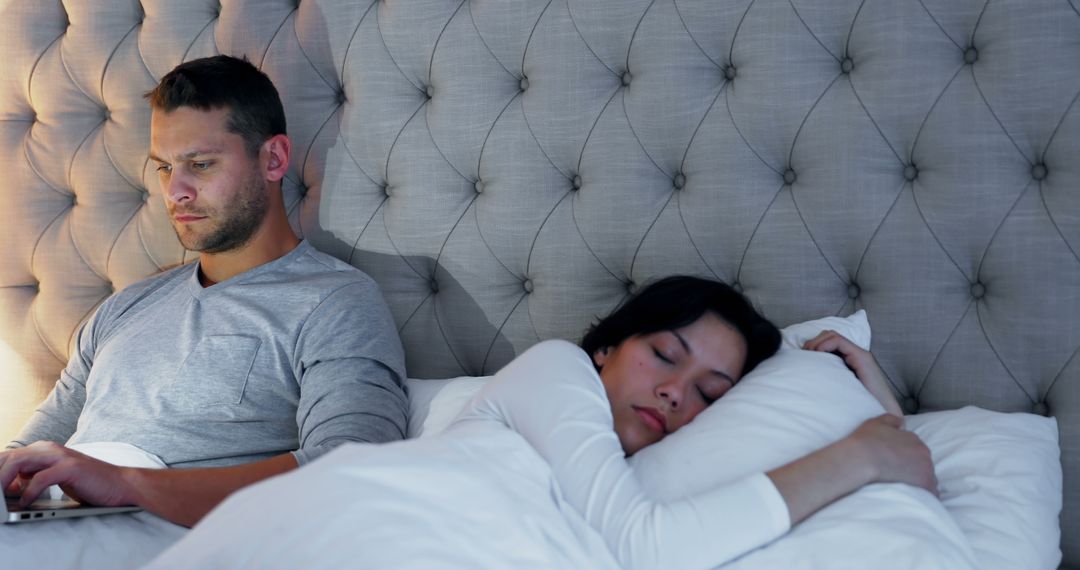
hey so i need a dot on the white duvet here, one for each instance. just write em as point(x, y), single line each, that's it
point(469, 510)
point(478, 502)
point(486, 502)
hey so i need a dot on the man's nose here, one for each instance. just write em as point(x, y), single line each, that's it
point(178, 189)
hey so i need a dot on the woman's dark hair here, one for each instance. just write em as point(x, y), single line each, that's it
point(677, 301)
point(225, 82)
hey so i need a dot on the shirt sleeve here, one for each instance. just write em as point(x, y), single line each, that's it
point(351, 371)
point(553, 397)
point(58, 416)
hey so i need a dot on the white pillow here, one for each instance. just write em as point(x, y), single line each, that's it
point(791, 404)
point(422, 392)
point(433, 404)
point(1000, 479)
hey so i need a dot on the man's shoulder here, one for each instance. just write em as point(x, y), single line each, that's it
point(328, 272)
point(132, 298)
point(162, 280)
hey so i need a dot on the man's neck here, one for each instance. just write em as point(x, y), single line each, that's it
point(218, 267)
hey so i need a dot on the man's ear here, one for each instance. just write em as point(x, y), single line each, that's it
point(278, 148)
point(600, 356)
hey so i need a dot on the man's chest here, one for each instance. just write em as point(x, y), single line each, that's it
point(186, 357)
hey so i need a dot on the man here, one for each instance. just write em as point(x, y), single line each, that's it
point(258, 358)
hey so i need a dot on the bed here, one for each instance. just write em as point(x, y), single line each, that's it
point(508, 170)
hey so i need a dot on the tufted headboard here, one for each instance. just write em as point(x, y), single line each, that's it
point(509, 170)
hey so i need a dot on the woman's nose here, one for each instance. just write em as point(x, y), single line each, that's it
point(669, 391)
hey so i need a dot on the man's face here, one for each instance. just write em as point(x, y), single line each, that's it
point(214, 190)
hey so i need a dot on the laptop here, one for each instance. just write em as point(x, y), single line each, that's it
point(45, 509)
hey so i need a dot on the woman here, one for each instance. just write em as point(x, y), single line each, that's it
point(641, 373)
point(661, 359)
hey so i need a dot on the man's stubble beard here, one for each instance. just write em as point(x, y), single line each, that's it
point(239, 220)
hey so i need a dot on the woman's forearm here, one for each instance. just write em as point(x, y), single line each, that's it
point(818, 479)
point(879, 388)
point(879, 451)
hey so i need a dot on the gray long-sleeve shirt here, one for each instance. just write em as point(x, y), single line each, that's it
point(299, 354)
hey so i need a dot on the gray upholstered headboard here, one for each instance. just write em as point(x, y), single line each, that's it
point(509, 170)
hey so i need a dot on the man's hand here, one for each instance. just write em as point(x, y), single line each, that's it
point(862, 363)
point(182, 496)
point(29, 471)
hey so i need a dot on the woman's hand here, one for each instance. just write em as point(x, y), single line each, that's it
point(896, 456)
point(861, 362)
point(879, 451)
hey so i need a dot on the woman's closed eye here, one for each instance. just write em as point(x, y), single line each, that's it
point(712, 389)
point(663, 357)
point(705, 396)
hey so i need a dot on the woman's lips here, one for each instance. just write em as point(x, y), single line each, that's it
point(652, 418)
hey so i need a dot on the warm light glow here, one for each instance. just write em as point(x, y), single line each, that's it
point(18, 395)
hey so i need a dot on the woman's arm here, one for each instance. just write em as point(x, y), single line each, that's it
point(862, 363)
point(879, 451)
point(552, 396)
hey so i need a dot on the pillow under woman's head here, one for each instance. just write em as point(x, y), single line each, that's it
point(794, 403)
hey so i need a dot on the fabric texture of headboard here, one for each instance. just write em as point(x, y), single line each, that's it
point(509, 170)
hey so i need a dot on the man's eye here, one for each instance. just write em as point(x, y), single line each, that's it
point(200, 165)
point(164, 168)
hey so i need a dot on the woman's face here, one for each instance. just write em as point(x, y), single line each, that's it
point(658, 382)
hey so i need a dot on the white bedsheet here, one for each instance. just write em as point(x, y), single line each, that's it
point(110, 542)
point(492, 506)
point(443, 502)
point(484, 501)
point(881, 527)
